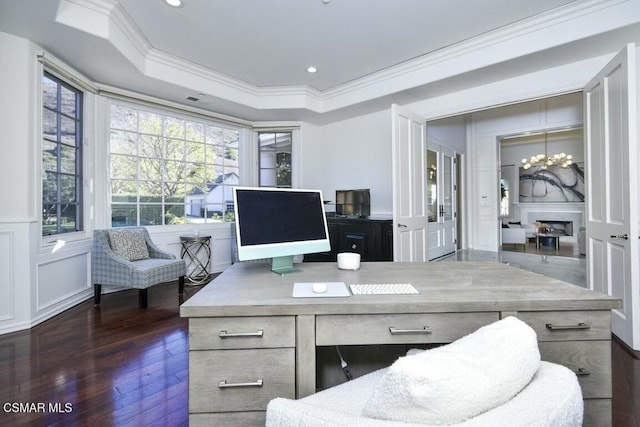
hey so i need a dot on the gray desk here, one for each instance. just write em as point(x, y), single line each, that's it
point(250, 341)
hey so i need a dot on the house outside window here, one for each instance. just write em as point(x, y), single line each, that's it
point(62, 126)
point(167, 169)
point(275, 159)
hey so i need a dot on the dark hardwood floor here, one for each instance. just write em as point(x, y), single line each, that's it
point(117, 365)
point(112, 365)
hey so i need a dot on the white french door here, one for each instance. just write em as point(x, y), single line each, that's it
point(441, 227)
point(409, 202)
point(612, 211)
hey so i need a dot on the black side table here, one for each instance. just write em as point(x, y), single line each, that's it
point(196, 251)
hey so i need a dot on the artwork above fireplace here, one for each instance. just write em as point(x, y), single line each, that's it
point(552, 184)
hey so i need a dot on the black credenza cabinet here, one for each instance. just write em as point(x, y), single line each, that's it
point(371, 238)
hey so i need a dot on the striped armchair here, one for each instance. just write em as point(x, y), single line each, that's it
point(127, 257)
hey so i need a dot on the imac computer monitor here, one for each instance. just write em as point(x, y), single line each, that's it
point(279, 223)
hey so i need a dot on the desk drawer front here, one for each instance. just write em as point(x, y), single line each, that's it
point(591, 360)
point(240, 380)
point(241, 332)
point(597, 413)
point(398, 328)
point(244, 419)
point(569, 325)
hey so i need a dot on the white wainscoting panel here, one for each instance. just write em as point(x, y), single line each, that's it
point(6, 276)
point(61, 280)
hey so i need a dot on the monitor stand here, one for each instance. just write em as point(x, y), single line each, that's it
point(283, 265)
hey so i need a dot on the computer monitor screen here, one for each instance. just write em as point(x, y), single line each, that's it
point(279, 223)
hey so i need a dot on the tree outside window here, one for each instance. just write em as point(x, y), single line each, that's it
point(170, 170)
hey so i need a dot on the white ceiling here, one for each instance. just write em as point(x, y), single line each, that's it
point(271, 42)
point(233, 54)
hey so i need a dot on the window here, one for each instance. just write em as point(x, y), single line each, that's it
point(167, 169)
point(275, 159)
point(61, 157)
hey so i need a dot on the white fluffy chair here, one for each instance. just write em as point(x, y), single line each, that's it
point(493, 377)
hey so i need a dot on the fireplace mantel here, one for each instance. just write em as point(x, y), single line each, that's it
point(531, 212)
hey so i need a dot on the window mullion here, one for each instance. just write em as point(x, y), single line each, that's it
point(59, 159)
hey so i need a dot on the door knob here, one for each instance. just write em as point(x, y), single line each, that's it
point(620, 236)
point(402, 226)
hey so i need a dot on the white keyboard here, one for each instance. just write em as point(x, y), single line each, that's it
point(382, 289)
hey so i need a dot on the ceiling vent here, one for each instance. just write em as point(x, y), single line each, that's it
point(193, 98)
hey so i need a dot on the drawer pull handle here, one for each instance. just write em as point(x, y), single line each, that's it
point(580, 325)
point(583, 371)
point(225, 334)
point(225, 384)
point(395, 331)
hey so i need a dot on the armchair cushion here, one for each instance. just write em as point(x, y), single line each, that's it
point(129, 243)
point(452, 383)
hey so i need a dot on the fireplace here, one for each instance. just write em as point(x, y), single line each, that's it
point(561, 228)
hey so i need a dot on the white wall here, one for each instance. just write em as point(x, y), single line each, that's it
point(450, 131)
point(350, 154)
point(17, 212)
point(16, 117)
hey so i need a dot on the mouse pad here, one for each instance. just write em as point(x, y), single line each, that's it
point(334, 289)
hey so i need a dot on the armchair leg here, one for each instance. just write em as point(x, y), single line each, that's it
point(142, 298)
point(181, 284)
point(97, 293)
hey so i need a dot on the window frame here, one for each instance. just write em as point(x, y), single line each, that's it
point(172, 113)
point(274, 167)
point(79, 153)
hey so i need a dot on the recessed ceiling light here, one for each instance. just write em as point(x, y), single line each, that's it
point(312, 69)
point(174, 3)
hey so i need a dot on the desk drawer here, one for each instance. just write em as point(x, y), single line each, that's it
point(591, 360)
point(239, 380)
point(569, 325)
point(398, 328)
point(244, 419)
point(597, 413)
point(215, 333)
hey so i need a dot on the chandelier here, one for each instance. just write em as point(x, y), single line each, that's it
point(543, 161)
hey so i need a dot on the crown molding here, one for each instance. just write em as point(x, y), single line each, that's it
point(532, 35)
point(203, 80)
point(136, 97)
point(426, 65)
point(120, 20)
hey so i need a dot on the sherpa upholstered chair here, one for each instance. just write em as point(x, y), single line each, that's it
point(491, 377)
point(126, 257)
